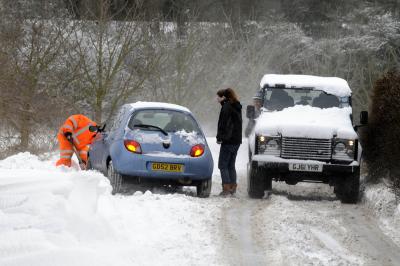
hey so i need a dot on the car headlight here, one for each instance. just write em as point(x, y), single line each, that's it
point(269, 145)
point(344, 149)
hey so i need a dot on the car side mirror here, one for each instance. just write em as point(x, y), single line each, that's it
point(250, 112)
point(364, 118)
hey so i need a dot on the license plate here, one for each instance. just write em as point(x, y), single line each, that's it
point(167, 167)
point(305, 167)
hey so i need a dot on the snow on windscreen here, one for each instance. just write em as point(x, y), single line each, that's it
point(146, 137)
point(307, 122)
point(191, 138)
point(142, 105)
point(330, 85)
point(151, 137)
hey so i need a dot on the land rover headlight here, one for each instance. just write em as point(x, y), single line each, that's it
point(269, 145)
point(344, 149)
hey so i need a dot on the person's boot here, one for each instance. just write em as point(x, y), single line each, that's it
point(233, 188)
point(226, 190)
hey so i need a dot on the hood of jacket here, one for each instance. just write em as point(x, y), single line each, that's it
point(237, 106)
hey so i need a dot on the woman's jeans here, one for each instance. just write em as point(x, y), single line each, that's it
point(226, 162)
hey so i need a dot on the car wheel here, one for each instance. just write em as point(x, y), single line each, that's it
point(203, 189)
point(348, 190)
point(256, 182)
point(115, 179)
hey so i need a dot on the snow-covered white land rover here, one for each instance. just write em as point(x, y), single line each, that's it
point(304, 133)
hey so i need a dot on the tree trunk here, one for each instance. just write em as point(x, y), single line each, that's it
point(98, 112)
point(24, 130)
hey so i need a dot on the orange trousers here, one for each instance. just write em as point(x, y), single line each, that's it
point(66, 151)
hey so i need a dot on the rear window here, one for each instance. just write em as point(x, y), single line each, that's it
point(170, 121)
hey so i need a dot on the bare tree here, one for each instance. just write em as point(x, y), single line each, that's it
point(114, 59)
point(30, 52)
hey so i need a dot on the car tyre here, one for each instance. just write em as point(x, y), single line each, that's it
point(203, 189)
point(115, 179)
point(348, 190)
point(256, 182)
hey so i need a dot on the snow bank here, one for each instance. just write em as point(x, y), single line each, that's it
point(331, 85)
point(381, 200)
point(307, 122)
point(25, 160)
point(64, 216)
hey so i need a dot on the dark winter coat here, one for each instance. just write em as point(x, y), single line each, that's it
point(230, 123)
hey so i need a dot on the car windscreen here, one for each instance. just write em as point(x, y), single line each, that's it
point(168, 120)
point(276, 99)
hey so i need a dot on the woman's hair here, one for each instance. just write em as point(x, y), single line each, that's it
point(221, 93)
point(231, 95)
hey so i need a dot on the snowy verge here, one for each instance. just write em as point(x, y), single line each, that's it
point(64, 216)
point(380, 199)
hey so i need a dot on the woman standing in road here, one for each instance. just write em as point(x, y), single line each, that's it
point(229, 135)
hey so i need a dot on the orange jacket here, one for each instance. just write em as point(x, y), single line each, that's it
point(79, 125)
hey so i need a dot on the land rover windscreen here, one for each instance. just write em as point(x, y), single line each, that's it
point(277, 98)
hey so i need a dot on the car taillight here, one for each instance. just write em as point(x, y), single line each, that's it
point(197, 150)
point(132, 146)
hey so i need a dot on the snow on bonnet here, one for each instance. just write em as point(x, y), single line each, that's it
point(307, 122)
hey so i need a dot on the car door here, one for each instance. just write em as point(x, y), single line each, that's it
point(98, 150)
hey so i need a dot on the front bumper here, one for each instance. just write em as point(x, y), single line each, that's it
point(283, 167)
point(331, 173)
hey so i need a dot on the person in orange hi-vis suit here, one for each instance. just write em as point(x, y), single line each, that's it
point(75, 131)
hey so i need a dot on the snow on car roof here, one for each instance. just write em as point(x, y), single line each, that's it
point(142, 105)
point(331, 85)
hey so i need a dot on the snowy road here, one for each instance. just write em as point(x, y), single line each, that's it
point(50, 216)
point(303, 225)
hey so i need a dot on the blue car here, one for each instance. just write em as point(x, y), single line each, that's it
point(156, 142)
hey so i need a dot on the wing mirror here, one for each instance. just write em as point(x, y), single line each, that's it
point(364, 118)
point(250, 112)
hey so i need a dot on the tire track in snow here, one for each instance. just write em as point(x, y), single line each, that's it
point(311, 227)
point(371, 241)
point(241, 237)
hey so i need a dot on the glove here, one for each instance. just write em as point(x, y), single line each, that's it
point(101, 128)
point(68, 135)
point(94, 129)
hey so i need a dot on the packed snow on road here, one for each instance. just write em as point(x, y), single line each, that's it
point(59, 216)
